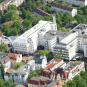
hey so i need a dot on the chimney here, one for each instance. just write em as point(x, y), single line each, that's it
point(54, 19)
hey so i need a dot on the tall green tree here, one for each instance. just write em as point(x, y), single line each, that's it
point(3, 47)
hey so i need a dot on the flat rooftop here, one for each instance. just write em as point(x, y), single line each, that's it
point(72, 64)
point(69, 38)
point(50, 35)
point(62, 34)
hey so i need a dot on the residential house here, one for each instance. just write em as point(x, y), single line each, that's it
point(40, 61)
point(20, 74)
point(63, 8)
point(41, 12)
point(15, 57)
point(27, 58)
point(23, 72)
point(4, 5)
point(40, 81)
point(54, 63)
point(5, 60)
point(4, 39)
point(77, 2)
point(31, 63)
point(72, 69)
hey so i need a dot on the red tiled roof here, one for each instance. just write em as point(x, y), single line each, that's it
point(50, 66)
point(56, 60)
point(53, 62)
point(12, 56)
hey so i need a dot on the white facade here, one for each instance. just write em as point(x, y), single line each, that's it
point(67, 47)
point(7, 65)
point(82, 38)
point(74, 12)
point(77, 2)
point(85, 50)
point(72, 47)
point(48, 40)
point(75, 70)
point(31, 64)
point(42, 62)
point(28, 42)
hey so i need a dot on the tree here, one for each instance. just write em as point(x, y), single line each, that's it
point(78, 81)
point(3, 47)
point(8, 83)
point(18, 65)
point(1, 83)
point(47, 53)
point(27, 23)
point(34, 73)
point(43, 52)
point(67, 18)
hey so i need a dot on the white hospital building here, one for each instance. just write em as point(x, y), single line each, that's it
point(37, 35)
point(69, 44)
point(62, 44)
point(66, 48)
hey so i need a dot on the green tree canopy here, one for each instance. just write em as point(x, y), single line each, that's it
point(78, 81)
point(8, 83)
point(3, 47)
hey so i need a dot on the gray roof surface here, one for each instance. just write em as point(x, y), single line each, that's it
point(63, 34)
point(50, 35)
point(37, 59)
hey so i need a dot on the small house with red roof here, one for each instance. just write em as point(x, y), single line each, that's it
point(15, 57)
point(54, 63)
